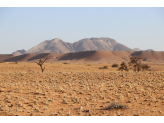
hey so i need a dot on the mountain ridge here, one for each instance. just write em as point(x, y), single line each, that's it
point(87, 44)
point(57, 45)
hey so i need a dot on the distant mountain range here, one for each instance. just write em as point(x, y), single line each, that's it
point(19, 52)
point(88, 44)
point(137, 49)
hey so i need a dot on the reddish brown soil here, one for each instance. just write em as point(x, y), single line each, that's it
point(79, 89)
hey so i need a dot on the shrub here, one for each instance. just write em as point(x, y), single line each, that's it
point(145, 66)
point(65, 63)
point(123, 67)
point(115, 105)
point(16, 62)
point(1, 61)
point(115, 65)
point(134, 64)
point(135, 60)
point(105, 67)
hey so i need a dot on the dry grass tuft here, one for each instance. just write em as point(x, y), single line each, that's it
point(104, 67)
point(65, 63)
point(115, 105)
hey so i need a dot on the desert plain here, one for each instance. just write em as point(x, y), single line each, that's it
point(79, 89)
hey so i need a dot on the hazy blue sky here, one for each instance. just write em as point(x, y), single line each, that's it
point(23, 28)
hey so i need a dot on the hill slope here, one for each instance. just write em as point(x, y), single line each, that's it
point(89, 56)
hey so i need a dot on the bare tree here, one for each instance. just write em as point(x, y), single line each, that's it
point(40, 63)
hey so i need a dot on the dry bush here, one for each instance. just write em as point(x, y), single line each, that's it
point(65, 63)
point(123, 67)
point(115, 65)
point(105, 67)
point(145, 66)
point(135, 60)
point(134, 64)
point(115, 105)
point(13, 62)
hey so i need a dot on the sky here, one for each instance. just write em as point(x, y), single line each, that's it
point(135, 27)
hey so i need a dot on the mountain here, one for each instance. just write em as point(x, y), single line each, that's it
point(52, 46)
point(136, 49)
point(88, 44)
point(59, 46)
point(149, 50)
point(19, 52)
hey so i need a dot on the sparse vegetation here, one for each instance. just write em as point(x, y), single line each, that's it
point(123, 66)
point(104, 67)
point(134, 64)
point(145, 66)
point(13, 62)
point(1, 61)
point(77, 89)
point(40, 63)
point(115, 65)
point(65, 63)
point(115, 105)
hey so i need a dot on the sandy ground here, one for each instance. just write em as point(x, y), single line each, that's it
point(79, 89)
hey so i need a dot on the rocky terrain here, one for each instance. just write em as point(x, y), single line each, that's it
point(79, 89)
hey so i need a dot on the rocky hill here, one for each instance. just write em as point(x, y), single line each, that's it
point(19, 52)
point(88, 44)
